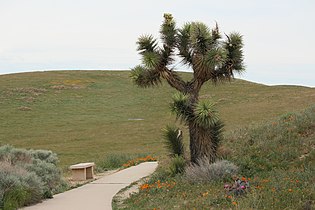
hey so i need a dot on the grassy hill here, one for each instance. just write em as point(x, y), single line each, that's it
point(83, 115)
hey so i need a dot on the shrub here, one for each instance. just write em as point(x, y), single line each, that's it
point(27, 176)
point(177, 165)
point(45, 155)
point(204, 171)
point(18, 186)
point(48, 173)
point(14, 156)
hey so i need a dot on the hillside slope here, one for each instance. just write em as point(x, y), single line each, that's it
point(82, 115)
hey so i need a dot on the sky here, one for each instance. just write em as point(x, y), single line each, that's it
point(40, 35)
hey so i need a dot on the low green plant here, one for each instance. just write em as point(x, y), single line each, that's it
point(177, 165)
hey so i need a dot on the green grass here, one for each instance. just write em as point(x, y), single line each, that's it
point(84, 115)
point(277, 156)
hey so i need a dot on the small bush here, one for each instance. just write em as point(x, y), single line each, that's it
point(177, 165)
point(48, 173)
point(18, 186)
point(14, 156)
point(27, 176)
point(45, 155)
point(204, 171)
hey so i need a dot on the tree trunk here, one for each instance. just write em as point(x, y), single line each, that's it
point(201, 139)
point(201, 144)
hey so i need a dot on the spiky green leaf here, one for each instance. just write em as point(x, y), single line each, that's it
point(180, 106)
point(146, 43)
point(184, 46)
point(200, 37)
point(205, 114)
point(234, 46)
point(215, 58)
point(144, 77)
point(150, 59)
point(174, 141)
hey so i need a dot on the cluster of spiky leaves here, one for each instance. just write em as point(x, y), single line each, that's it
point(174, 141)
point(199, 47)
point(203, 113)
point(180, 106)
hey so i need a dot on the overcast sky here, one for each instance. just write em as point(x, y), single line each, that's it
point(279, 35)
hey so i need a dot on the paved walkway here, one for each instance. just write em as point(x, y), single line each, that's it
point(98, 194)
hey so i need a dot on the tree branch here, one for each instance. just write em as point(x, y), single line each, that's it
point(174, 80)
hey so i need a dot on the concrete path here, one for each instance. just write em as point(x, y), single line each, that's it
point(98, 194)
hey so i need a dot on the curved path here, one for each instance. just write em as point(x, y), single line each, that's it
point(98, 194)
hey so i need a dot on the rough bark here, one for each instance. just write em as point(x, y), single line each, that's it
point(201, 144)
point(174, 80)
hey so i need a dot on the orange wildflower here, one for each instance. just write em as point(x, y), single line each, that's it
point(144, 186)
point(290, 190)
point(234, 203)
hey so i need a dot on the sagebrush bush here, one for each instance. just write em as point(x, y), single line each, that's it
point(18, 186)
point(49, 174)
point(27, 176)
point(204, 171)
point(45, 155)
point(14, 156)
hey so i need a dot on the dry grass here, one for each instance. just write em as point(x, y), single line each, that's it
point(83, 115)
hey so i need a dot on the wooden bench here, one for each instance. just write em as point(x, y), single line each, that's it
point(82, 171)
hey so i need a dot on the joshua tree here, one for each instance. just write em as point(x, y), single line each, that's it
point(210, 57)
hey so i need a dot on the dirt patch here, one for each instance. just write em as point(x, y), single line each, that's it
point(29, 90)
point(24, 108)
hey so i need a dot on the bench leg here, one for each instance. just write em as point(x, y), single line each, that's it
point(89, 172)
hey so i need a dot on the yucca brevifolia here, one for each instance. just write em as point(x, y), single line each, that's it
point(211, 59)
